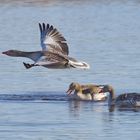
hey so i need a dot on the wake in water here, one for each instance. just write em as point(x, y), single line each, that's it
point(34, 96)
point(54, 96)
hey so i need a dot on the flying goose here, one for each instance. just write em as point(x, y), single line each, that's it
point(54, 53)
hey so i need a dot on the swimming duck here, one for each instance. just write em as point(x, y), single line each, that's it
point(127, 100)
point(54, 53)
point(86, 92)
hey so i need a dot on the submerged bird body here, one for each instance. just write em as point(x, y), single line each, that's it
point(86, 92)
point(54, 52)
point(126, 100)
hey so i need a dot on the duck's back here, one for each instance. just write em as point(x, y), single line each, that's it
point(128, 100)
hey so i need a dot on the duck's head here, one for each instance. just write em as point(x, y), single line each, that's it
point(11, 52)
point(72, 87)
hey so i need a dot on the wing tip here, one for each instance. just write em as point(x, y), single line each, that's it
point(45, 27)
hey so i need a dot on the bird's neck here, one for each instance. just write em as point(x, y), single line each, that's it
point(112, 94)
point(32, 55)
point(111, 100)
point(78, 89)
point(22, 54)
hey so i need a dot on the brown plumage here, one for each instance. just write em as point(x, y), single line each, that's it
point(86, 92)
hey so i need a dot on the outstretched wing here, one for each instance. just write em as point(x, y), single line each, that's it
point(52, 40)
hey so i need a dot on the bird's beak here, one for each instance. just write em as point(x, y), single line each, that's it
point(69, 91)
point(4, 52)
point(100, 90)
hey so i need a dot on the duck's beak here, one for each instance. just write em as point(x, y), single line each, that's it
point(69, 91)
point(100, 90)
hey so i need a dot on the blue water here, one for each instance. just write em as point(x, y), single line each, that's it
point(33, 103)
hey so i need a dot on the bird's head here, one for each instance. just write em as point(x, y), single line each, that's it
point(11, 52)
point(73, 86)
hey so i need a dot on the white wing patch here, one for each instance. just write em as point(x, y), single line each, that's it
point(52, 40)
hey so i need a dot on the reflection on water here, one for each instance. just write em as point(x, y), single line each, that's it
point(35, 118)
point(76, 107)
point(113, 108)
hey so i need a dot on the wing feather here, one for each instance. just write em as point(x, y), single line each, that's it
point(52, 40)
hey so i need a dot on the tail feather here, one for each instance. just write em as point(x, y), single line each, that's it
point(27, 65)
point(80, 65)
